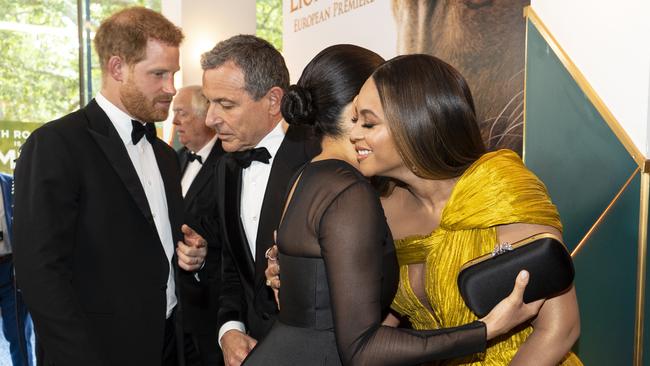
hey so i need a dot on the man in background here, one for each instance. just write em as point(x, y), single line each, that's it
point(16, 325)
point(198, 157)
point(99, 212)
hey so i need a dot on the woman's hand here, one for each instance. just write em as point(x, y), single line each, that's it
point(272, 271)
point(511, 311)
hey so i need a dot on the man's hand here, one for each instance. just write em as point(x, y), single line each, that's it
point(236, 346)
point(191, 253)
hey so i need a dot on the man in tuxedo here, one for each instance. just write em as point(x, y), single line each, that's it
point(98, 210)
point(198, 157)
point(244, 79)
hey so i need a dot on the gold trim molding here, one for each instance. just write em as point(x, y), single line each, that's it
point(600, 218)
point(587, 89)
point(641, 270)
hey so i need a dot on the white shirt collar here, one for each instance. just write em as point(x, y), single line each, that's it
point(273, 139)
point(205, 150)
point(120, 119)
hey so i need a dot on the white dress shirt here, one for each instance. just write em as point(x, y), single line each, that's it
point(193, 167)
point(253, 186)
point(144, 162)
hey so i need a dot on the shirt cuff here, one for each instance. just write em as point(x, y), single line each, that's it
point(196, 273)
point(230, 325)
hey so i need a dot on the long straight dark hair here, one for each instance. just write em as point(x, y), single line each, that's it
point(430, 114)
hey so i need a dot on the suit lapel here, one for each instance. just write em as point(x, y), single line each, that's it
point(172, 181)
point(204, 175)
point(183, 160)
point(102, 130)
point(232, 218)
point(296, 149)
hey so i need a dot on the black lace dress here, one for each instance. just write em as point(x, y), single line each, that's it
point(339, 275)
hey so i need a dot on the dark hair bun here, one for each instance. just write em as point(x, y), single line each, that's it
point(298, 106)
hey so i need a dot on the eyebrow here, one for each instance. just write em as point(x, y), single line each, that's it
point(368, 112)
point(220, 100)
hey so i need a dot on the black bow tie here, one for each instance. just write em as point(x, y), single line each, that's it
point(246, 157)
point(192, 156)
point(139, 130)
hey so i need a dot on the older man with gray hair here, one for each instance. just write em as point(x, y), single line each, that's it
point(198, 157)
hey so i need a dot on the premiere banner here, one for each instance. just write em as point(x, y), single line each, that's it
point(12, 136)
point(484, 40)
point(312, 25)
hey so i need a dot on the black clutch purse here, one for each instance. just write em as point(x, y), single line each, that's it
point(485, 281)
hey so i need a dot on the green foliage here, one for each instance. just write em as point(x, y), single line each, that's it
point(269, 21)
point(39, 71)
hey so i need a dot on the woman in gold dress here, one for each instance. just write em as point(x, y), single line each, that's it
point(417, 125)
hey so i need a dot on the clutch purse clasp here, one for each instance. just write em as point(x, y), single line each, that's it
point(501, 248)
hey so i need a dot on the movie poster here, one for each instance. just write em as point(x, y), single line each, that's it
point(483, 39)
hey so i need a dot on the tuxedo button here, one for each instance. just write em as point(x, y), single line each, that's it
point(266, 316)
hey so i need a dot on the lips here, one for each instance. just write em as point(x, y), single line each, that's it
point(362, 152)
point(223, 136)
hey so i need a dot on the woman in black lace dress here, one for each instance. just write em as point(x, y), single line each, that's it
point(339, 270)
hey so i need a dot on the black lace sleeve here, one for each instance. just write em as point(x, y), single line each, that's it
point(352, 236)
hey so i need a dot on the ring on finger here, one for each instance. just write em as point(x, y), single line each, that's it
point(268, 256)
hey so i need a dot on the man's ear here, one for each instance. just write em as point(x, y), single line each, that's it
point(274, 96)
point(116, 68)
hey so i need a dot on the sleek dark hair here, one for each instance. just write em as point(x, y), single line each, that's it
point(430, 114)
point(262, 65)
point(328, 83)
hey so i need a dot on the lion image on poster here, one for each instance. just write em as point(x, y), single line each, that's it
point(484, 40)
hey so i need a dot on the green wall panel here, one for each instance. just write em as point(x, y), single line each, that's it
point(606, 284)
point(568, 144)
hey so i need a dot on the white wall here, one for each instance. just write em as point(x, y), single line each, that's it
point(609, 43)
point(310, 26)
point(205, 23)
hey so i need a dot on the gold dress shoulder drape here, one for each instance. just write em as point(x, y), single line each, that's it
point(496, 190)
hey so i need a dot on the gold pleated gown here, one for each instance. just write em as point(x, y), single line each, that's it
point(496, 190)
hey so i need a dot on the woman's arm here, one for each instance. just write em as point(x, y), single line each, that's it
point(557, 325)
point(390, 321)
point(353, 239)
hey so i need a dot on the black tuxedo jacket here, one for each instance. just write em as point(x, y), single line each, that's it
point(244, 294)
point(200, 299)
point(87, 254)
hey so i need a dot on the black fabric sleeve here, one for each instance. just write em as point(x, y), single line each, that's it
point(46, 209)
point(231, 296)
point(351, 233)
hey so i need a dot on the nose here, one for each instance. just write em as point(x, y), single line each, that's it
point(168, 86)
point(212, 118)
point(355, 133)
point(176, 121)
